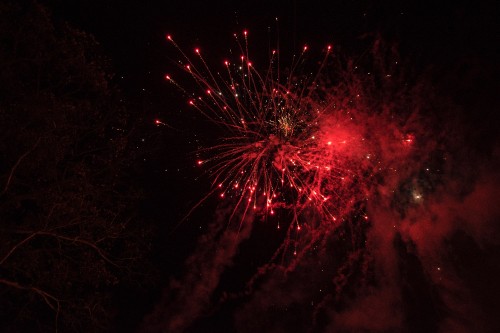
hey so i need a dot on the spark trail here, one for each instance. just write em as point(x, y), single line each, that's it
point(291, 141)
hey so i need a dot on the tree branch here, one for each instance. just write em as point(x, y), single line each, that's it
point(16, 246)
point(88, 243)
point(51, 300)
point(19, 160)
point(33, 234)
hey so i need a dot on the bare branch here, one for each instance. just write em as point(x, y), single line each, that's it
point(51, 300)
point(88, 243)
point(16, 246)
point(19, 160)
point(81, 241)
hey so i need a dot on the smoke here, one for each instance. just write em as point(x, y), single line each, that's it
point(187, 299)
point(406, 238)
point(433, 268)
point(456, 238)
point(375, 307)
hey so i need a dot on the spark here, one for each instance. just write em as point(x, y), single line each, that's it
point(290, 143)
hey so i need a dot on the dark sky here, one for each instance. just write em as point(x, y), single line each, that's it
point(446, 39)
point(132, 32)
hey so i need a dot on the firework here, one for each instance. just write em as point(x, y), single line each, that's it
point(335, 154)
point(352, 160)
point(288, 144)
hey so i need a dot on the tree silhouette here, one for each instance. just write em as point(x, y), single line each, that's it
point(69, 231)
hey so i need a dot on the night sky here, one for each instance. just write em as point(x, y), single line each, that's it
point(416, 252)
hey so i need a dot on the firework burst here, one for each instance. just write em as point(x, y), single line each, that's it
point(338, 155)
point(289, 142)
point(364, 161)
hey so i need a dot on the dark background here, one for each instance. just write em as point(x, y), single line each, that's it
point(445, 37)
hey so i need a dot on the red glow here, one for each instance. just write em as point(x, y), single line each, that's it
point(286, 148)
point(408, 140)
point(333, 156)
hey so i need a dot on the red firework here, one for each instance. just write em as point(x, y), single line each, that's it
point(293, 142)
